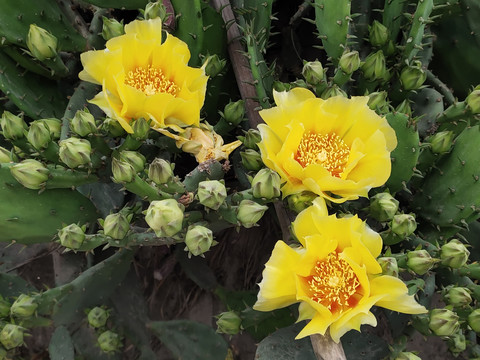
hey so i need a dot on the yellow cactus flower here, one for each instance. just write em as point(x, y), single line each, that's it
point(337, 148)
point(334, 275)
point(142, 77)
point(203, 142)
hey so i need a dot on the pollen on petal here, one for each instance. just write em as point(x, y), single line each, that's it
point(150, 81)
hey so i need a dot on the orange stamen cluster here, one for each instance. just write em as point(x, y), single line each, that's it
point(150, 81)
point(334, 284)
point(328, 150)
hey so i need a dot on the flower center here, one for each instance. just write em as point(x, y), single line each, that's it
point(328, 150)
point(150, 81)
point(334, 284)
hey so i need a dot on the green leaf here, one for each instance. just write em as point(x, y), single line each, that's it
point(364, 345)
point(61, 345)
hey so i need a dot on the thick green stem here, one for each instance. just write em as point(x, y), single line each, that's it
point(60, 177)
point(144, 190)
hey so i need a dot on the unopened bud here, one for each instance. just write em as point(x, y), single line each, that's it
point(141, 128)
point(211, 193)
point(413, 76)
point(97, 317)
point(420, 261)
point(72, 236)
point(13, 127)
point(111, 28)
point(404, 107)
point(300, 201)
point(134, 158)
point(109, 341)
point(4, 308)
point(458, 296)
point(39, 135)
point(313, 72)
point(11, 336)
point(457, 343)
point(281, 86)
point(75, 152)
point(155, 10)
point(441, 142)
point(389, 266)
point(54, 126)
point(83, 123)
point(266, 184)
point(160, 171)
point(407, 356)
point(473, 100)
point(113, 127)
point(116, 226)
point(333, 91)
point(6, 156)
point(41, 43)
point(122, 171)
point(214, 65)
point(349, 62)
point(403, 225)
point(234, 112)
point(165, 217)
point(199, 240)
point(251, 159)
point(251, 139)
point(250, 212)
point(23, 307)
point(454, 254)
point(378, 100)
point(229, 323)
point(374, 67)
point(30, 173)
point(474, 320)
point(443, 322)
point(378, 34)
point(383, 206)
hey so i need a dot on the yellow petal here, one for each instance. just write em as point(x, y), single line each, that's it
point(338, 329)
point(145, 29)
point(318, 325)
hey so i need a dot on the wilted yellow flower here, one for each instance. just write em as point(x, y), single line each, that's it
point(142, 77)
point(337, 148)
point(334, 275)
point(203, 142)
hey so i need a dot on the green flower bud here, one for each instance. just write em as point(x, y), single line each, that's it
point(13, 127)
point(75, 152)
point(457, 343)
point(383, 206)
point(54, 126)
point(266, 184)
point(4, 308)
point(457, 296)
point(234, 112)
point(6, 156)
point(281, 86)
point(403, 224)
point(141, 128)
point(420, 261)
point(83, 123)
point(407, 356)
point(349, 62)
point(473, 100)
point(389, 266)
point(454, 254)
point(300, 201)
point(378, 34)
point(39, 135)
point(160, 171)
point(404, 108)
point(30, 173)
point(441, 142)
point(72, 236)
point(413, 76)
point(251, 139)
point(11, 336)
point(374, 67)
point(41, 43)
point(474, 320)
point(134, 158)
point(23, 307)
point(213, 65)
point(165, 217)
point(155, 10)
point(332, 91)
point(113, 127)
point(116, 226)
point(111, 28)
point(250, 212)
point(251, 159)
point(211, 193)
point(109, 341)
point(229, 323)
point(199, 240)
point(97, 317)
point(313, 72)
point(378, 100)
point(123, 172)
point(443, 322)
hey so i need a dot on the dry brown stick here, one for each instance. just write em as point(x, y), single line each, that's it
point(327, 349)
point(240, 64)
